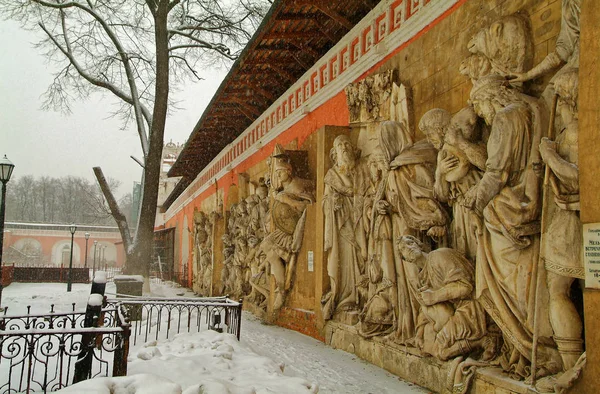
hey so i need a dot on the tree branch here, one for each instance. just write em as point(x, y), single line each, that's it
point(135, 100)
point(114, 209)
point(220, 48)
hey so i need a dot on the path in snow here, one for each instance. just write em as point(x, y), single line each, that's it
point(334, 370)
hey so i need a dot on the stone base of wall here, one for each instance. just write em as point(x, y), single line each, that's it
point(299, 320)
point(295, 319)
point(410, 365)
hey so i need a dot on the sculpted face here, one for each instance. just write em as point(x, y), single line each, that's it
point(409, 249)
point(343, 150)
point(435, 136)
point(283, 175)
point(485, 109)
point(262, 192)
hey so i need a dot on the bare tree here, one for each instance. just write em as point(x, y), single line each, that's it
point(58, 200)
point(136, 50)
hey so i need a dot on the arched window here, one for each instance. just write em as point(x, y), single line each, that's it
point(66, 254)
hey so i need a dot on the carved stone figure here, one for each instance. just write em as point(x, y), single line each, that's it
point(507, 199)
point(475, 67)
point(409, 186)
point(410, 201)
point(450, 323)
point(369, 99)
point(566, 52)
point(291, 196)
point(202, 253)
point(562, 239)
point(341, 211)
point(460, 164)
point(259, 223)
point(378, 316)
point(227, 272)
point(507, 43)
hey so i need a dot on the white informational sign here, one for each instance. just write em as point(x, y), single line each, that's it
point(311, 261)
point(591, 255)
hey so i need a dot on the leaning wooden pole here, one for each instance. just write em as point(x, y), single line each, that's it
point(540, 269)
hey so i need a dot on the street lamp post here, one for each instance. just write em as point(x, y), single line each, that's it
point(87, 237)
point(72, 229)
point(94, 269)
point(6, 169)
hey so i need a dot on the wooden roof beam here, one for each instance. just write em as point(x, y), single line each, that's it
point(295, 16)
point(327, 10)
point(290, 77)
point(251, 112)
point(255, 88)
point(291, 34)
point(307, 49)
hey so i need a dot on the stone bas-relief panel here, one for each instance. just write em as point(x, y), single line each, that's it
point(455, 239)
point(465, 246)
point(264, 233)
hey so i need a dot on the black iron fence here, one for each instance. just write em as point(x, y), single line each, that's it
point(41, 273)
point(46, 352)
point(160, 318)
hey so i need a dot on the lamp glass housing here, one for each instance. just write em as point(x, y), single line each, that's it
point(72, 228)
point(6, 169)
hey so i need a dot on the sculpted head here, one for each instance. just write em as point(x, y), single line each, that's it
point(343, 153)
point(465, 121)
point(491, 94)
point(507, 43)
point(433, 124)
point(377, 166)
point(252, 241)
point(283, 169)
point(410, 248)
point(262, 190)
point(394, 137)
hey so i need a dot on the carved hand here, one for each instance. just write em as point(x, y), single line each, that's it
point(428, 297)
point(337, 202)
point(436, 231)
point(547, 148)
point(469, 198)
point(518, 77)
point(448, 163)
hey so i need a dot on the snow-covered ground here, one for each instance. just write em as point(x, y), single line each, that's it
point(269, 359)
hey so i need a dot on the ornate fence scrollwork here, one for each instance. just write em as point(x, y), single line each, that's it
point(38, 352)
point(46, 352)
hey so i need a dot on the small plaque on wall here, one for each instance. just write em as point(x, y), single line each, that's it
point(311, 261)
point(591, 255)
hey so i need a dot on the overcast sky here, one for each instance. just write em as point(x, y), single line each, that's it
point(50, 143)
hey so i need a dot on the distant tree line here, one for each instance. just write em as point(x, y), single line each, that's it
point(66, 200)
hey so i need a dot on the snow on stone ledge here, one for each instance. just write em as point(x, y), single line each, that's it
point(100, 277)
point(95, 300)
point(135, 384)
point(128, 278)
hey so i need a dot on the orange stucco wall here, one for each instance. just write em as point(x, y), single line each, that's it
point(48, 243)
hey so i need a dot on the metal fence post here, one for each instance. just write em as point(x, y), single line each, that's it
point(122, 352)
point(99, 284)
point(83, 365)
point(239, 317)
